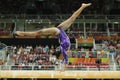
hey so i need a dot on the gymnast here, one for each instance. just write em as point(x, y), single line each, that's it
point(59, 31)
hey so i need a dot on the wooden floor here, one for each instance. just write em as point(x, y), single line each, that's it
point(59, 74)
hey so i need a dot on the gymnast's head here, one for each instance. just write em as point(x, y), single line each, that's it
point(56, 25)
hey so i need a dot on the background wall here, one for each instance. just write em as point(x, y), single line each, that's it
point(31, 41)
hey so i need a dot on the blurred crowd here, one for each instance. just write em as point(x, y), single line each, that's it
point(50, 55)
point(45, 57)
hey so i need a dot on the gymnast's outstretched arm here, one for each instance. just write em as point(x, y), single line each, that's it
point(67, 23)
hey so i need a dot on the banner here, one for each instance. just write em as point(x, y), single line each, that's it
point(88, 42)
point(87, 60)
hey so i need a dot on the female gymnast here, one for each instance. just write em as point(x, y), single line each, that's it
point(59, 31)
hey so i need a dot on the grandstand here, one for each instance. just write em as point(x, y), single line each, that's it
point(86, 48)
point(95, 41)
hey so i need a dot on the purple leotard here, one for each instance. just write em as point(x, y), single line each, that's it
point(64, 44)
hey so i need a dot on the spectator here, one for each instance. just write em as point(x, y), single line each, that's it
point(47, 49)
point(118, 60)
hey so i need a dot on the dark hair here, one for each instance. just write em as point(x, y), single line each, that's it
point(56, 24)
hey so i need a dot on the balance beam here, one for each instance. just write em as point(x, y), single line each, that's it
point(59, 74)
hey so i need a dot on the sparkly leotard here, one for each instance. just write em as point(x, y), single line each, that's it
point(64, 44)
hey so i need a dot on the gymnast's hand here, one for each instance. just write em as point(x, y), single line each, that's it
point(19, 33)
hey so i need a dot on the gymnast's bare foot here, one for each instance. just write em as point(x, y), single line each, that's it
point(86, 5)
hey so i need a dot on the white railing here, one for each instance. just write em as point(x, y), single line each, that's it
point(56, 67)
